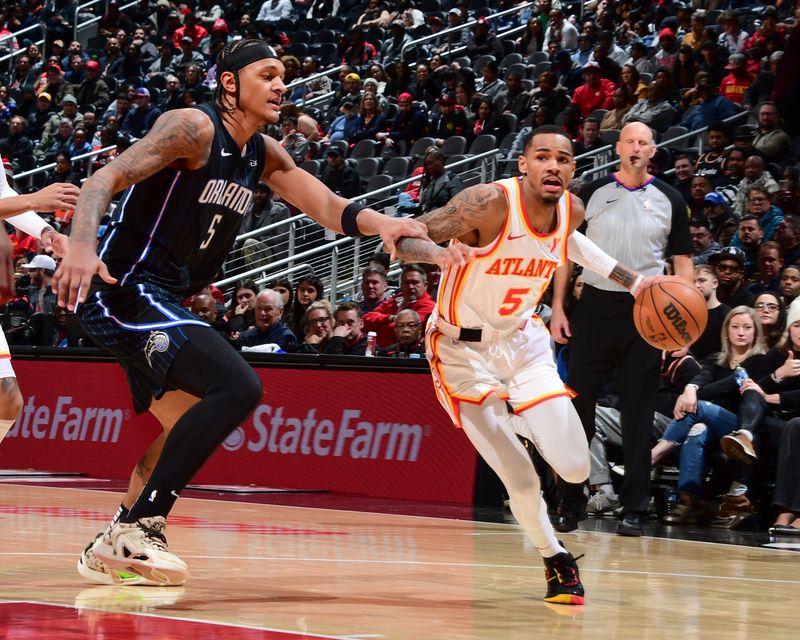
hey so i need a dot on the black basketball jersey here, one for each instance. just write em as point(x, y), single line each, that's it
point(176, 228)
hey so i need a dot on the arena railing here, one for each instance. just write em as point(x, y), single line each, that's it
point(337, 262)
point(19, 177)
point(328, 72)
point(465, 26)
point(40, 26)
point(88, 23)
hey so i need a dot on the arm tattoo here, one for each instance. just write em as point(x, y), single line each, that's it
point(171, 138)
point(622, 276)
point(416, 250)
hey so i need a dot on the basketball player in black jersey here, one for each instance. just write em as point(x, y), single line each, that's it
point(188, 181)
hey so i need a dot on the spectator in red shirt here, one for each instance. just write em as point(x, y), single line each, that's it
point(738, 80)
point(413, 294)
point(190, 29)
point(596, 92)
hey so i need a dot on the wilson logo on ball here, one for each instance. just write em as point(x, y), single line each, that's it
point(672, 314)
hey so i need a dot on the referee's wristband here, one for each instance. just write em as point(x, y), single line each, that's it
point(349, 223)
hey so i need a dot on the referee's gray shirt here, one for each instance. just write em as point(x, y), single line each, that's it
point(638, 227)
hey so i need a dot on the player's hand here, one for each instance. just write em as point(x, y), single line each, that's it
point(7, 285)
point(559, 325)
point(647, 281)
point(74, 277)
point(455, 255)
point(55, 242)
point(392, 229)
point(60, 195)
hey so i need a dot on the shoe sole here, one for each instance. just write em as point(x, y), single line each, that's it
point(565, 598)
point(629, 532)
point(734, 450)
point(609, 510)
point(100, 577)
point(163, 574)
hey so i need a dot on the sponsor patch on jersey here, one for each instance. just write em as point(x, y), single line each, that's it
point(158, 342)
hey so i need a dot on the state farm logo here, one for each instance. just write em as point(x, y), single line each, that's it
point(68, 422)
point(346, 436)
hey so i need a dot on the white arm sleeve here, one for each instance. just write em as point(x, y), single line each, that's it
point(28, 221)
point(586, 253)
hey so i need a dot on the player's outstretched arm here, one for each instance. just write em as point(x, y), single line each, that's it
point(468, 212)
point(313, 198)
point(180, 138)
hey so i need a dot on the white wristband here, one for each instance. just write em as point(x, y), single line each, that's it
point(636, 283)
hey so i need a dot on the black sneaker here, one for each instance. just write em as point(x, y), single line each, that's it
point(567, 521)
point(631, 526)
point(563, 580)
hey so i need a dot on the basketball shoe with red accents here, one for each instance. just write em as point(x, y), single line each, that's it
point(563, 579)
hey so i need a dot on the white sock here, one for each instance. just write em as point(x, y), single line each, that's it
point(737, 489)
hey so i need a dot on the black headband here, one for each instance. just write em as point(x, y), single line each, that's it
point(244, 56)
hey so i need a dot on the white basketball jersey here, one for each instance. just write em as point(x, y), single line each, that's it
point(502, 285)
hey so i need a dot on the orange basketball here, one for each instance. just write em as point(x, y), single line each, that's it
point(670, 314)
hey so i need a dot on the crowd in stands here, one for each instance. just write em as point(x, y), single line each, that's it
point(717, 82)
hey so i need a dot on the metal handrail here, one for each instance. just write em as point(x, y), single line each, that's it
point(40, 25)
point(47, 167)
point(14, 34)
point(98, 18)
point(462, 27)
point(301, 81)
point(77, 12)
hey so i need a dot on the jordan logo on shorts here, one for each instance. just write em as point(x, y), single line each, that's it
point(158, 342)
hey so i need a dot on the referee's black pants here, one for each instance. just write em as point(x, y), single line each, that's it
point(605, 343)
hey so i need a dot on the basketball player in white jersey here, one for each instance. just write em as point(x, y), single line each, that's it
point(19, 211)
point(488, 350)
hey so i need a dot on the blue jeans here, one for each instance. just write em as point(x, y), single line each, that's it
point(718, 421)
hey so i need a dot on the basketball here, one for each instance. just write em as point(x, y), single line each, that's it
point(670, 314)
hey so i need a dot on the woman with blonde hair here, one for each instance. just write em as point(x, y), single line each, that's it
point(708, 408)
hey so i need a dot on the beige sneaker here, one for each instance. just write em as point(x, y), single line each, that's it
point(738, 447)
point(141, 548)
point(92, 569)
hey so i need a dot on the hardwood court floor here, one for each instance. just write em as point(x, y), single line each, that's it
point(280, 572)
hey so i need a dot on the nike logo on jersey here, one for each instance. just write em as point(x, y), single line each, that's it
point(225, 154)
point(510, 237)
point(610, 201)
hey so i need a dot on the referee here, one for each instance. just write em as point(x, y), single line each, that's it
point(639, 220)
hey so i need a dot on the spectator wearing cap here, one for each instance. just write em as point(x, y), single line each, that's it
point(93, 91)
point(770, 140)
point(338, 176)
point(732, 289)
point(191, 29)
point(482, 41)
point(732, 38)
point(350, 88)
point(40, 116)
point(207, 13)
point(41, 296)
point(138, 123)
point(743, 141)
point(737, 81)
point(561, 31)
point(755, 176)
point(359, 52)
point(568, 73)
point(710, 106)
point(703, 243)
point(449, 121)
point(188, 56)
point(722, 223)
point(69, 111)
point(52, 81)
point(454, 39)
point(409, 125)
point(17, 147)
point(392, 48)
point(595, 93)
point(344, 125)
point(768, 29)
point(667, 49)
